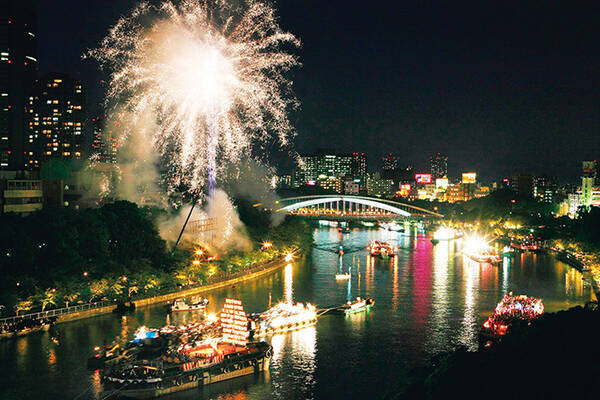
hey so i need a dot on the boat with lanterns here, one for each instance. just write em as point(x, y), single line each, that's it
point(510, 311)
point(484, 256)
point(195, 359)
point(281, 318)
point(357, 306)
point(196, 304)
point(478, 250)
point(526, 245)
point(381, 249)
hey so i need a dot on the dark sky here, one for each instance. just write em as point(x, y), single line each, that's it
point(499, 86)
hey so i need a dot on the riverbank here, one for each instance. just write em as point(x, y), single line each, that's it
point(256, 272)
point(554, 358)
point(590, 270)
point(263, 270)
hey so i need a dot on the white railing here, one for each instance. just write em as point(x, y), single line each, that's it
point(57, 311)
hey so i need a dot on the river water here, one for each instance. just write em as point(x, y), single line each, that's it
point(428, 299)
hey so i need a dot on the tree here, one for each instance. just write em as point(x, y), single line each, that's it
point(49, 297)
point(70, 297)
point(23, 305)
point(98, 288)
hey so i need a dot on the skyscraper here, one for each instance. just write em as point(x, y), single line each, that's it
point(55, 117)
point(439, 166)
point(18, 69)
point(104, 141)
point(588, 180)
point(358, 168)
point(389, 166)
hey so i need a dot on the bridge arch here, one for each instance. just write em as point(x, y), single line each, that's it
point(397, 208)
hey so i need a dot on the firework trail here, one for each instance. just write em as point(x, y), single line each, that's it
point(211, 73)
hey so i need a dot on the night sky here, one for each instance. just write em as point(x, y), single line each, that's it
point(499, 86)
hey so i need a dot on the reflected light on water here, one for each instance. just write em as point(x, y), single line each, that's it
point(21, 352)
point(51, 356)
point(440, 292)
point(469, 324)
point(96, 382)
point(505, 267)
point(288, 284)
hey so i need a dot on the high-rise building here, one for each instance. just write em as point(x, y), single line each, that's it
point(380, 187)
point(522, 184)
point(439, 166)
point(545, 189)
point(104, 140)
point(390, 165)
point(18, 69)
point(55, 117)
point(358, 169)
point(323, 167)
point(588, 180)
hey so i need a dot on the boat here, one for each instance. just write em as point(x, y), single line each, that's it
point(194, 357)
point(391, 226)
point(381, 249)
point(358, 305)
point(343, 276)
point(508, 251)
point(198, 304)
point(525, 246)
point(281, 318)
point(484, 257)
point(510, 311)
point(26, 327)
point(186, 368)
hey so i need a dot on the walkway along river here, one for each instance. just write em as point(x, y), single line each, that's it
point(428, 299)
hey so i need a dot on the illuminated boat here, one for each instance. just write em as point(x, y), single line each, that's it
point(391, 226)
point(511, 310)
point(190, 363)
point(198, 304)
point(484, 257)
point(478, 250)
point(281, 318)
point(26, 327)
point(357, 306)
point(187, 368)
point(381, 249)
point(343, 276)
point(526, 245)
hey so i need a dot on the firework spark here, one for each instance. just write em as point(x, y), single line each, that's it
point(212, 75)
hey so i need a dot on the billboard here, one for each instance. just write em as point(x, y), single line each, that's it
point(423, 178)
point(469, 177)
point(441, 183)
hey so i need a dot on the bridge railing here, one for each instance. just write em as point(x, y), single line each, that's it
point(57, 311)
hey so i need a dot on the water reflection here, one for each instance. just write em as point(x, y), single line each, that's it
point(288, 284)
point(469, 324)
point(427, 300)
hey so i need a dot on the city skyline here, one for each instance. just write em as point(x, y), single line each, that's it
point(426, 96)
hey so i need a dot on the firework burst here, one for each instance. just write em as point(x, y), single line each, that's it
point(210, 73)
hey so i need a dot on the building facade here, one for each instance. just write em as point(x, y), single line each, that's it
point(55, 117)
point(377, 186)
point(104, 140)
point(439, 166)
point(324, 169)
point(18, 69)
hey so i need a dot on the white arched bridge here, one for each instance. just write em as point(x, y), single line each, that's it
point(352, 207)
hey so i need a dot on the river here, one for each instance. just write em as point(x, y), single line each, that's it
point(428, 299)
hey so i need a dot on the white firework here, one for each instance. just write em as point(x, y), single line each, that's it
point(212, 75)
